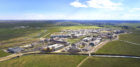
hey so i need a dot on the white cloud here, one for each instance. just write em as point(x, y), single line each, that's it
point(77, 4)
point(103, 4)
point(130, 16)
point(33, 16)
point(134, 9)
point(79, 16)
point(98, 4)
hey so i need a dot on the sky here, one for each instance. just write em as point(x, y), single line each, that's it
point(69, 9)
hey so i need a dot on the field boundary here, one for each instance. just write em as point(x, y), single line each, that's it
point(82, 61)
point(129, 42)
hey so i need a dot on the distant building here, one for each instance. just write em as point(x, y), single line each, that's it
point(87, 39)
point(15, 50)
point(55, 47)
point(27, 46)
point(58, 42)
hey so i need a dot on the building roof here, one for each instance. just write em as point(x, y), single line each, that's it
point(55, 46)
point(15, 49)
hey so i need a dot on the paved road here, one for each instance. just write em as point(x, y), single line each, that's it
point(21, 54)
point(117, 56)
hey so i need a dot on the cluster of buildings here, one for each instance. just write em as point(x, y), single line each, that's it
point(59, 40)
point(91, 38)
point(84, 44)
point(74, 33)
point(24, 48)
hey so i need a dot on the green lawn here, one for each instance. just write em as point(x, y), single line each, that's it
point(111, 62)
point(2, 53)
point(119, 47)
point(44, 61)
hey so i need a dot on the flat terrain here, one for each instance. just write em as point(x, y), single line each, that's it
point(119, 47)
point(44, 61)
point(122, 47)
point(78, 27)
point(110, 62)
point(132, 37)
point(16, 37)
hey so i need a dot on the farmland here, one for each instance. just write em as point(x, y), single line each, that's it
point(11, 37)
point(122, 47)
point(78, 27)
point(119, 47)
point(132, 37)
point(110, 62)
point(44, 61)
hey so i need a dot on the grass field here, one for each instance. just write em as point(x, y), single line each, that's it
point(44, 61)
point(133, 37)
point(7, 33)
point(2, 53)
point(52, 30)
point(111, 62)
point(124, 48)
point(78, 27)
point(14, 37)
point(119, 47)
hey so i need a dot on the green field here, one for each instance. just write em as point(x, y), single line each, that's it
point(54, 29)
point(119, 47)
point(10, 37)
point(78, 27)
point(17, 37)
point(2, 53)
point(133, 37)
point(111, 62)
point(122, 47)
point(14, 30)
point(7, 33)
point(44, 61)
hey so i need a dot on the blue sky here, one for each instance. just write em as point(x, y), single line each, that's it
point(70, 9)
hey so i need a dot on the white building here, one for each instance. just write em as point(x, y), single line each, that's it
point(56, 46)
